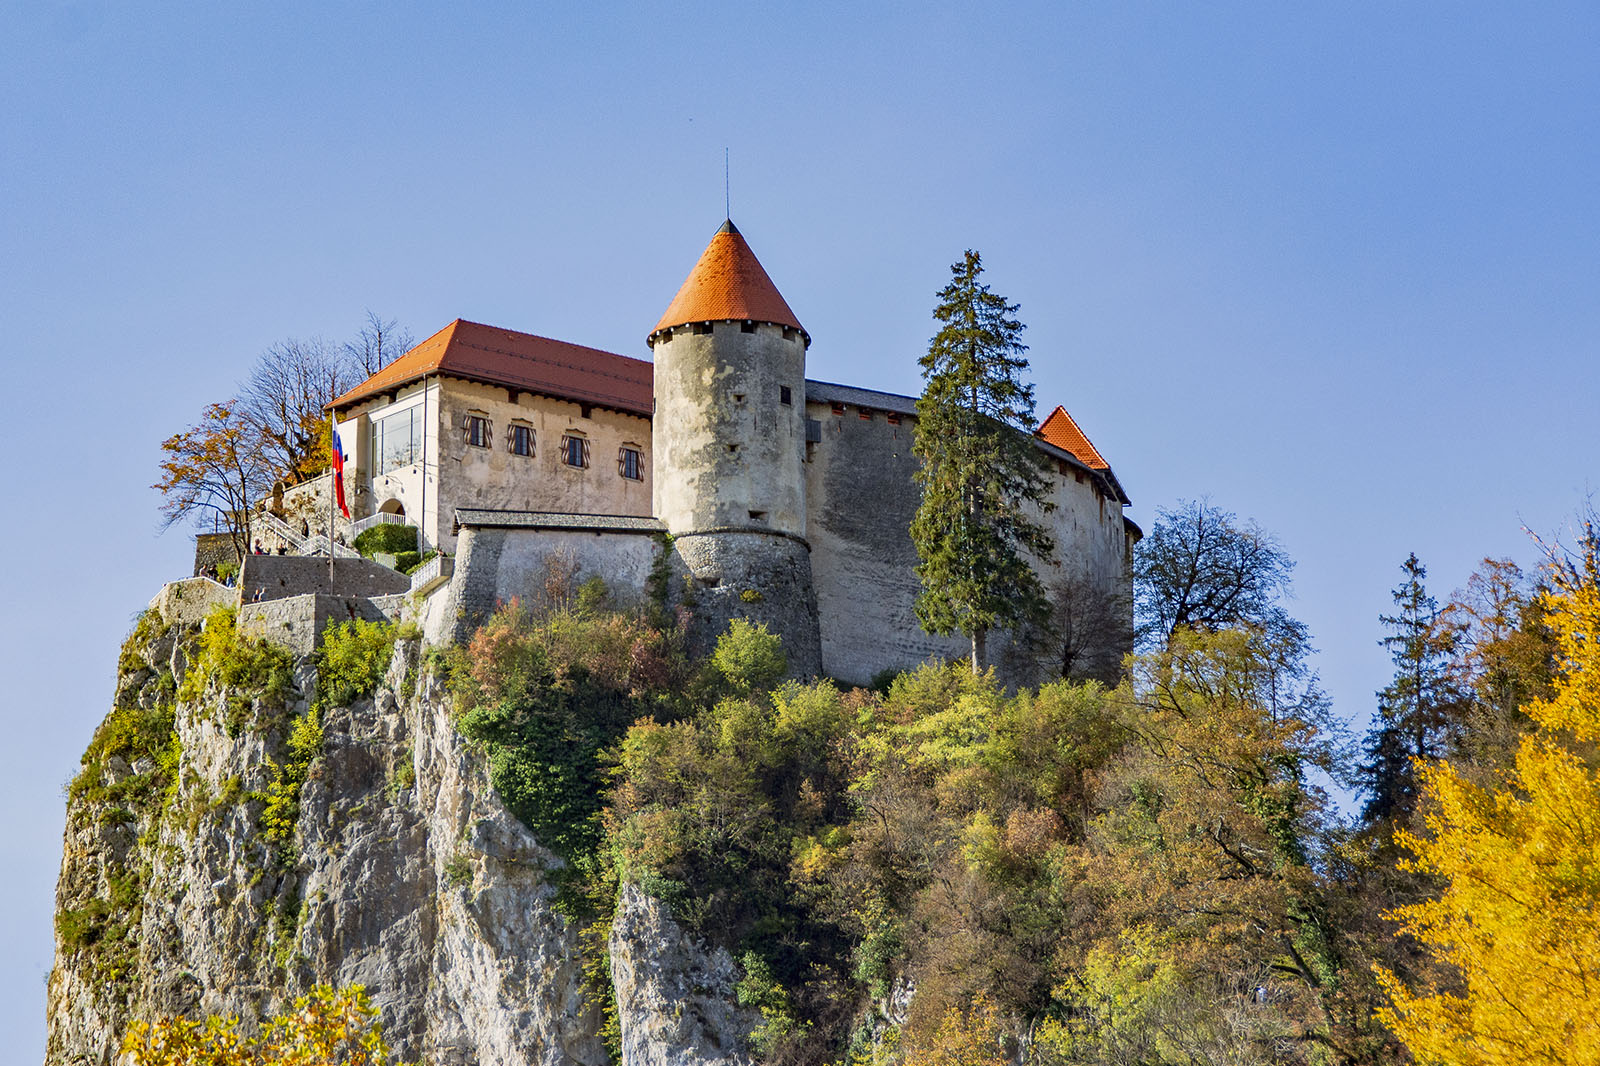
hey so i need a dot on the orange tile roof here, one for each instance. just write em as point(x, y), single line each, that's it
point(728, 284)
point(1059, 429)
point(515, 360)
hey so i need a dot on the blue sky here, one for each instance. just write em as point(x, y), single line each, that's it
point(1336, 269)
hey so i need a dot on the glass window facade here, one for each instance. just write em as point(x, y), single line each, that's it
point(396, 440)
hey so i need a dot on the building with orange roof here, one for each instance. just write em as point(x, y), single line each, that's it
point(788, 500)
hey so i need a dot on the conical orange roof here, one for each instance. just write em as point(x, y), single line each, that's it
point(728, 284)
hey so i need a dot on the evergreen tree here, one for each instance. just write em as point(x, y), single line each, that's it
point(982, 477)
point(1420, 709)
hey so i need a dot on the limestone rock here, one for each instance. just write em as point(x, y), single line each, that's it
point(675, 999)
point(404, 872)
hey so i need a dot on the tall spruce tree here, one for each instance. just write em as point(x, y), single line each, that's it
point(1421, 708)
point(982, 477)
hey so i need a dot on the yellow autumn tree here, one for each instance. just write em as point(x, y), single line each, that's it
point(327, 1027)
point(1518, 918)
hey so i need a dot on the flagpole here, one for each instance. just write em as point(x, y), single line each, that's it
point(333, 417)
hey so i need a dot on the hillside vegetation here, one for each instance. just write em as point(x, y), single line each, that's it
point(944, 872)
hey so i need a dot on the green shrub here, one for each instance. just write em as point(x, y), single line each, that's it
point(749, 657)
point(594, 597)
point(247, 668)
point(282, 809)
point(131, 733)
point(389, 539)
point(458, 871)
point(405, 562)
point(352, 660)
point(547, 697)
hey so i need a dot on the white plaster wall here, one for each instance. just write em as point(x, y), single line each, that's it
point(497, 479)
point(457, 474)
point(416, 486)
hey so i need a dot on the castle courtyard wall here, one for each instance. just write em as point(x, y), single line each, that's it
point(298, 622)
point(495, 565)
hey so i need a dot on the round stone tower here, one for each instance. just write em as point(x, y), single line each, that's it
point(728, 444)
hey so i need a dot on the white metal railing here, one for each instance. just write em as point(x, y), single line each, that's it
point(317, 544)
point(281, 529)
point(431, 572)
point(382, 518)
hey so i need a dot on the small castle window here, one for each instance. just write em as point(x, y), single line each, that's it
point(866, 415)
point(789, 333)
point(478, 432)
point(574, 451)
point(758, 516)
point(520, 440)
point(893, 417)
point(747, 327)
point(785, 396)
point(630, 463)
point(838, 410)
point(701, 329)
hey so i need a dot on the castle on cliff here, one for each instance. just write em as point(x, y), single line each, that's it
point(787, 501)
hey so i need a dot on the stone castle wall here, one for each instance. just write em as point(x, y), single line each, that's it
point(861, 497)
point(279, 576)
point(762, 577)
point(495, 565)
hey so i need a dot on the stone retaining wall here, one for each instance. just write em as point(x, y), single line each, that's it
point(189, 600)
point(297, 622)
point(278, 576)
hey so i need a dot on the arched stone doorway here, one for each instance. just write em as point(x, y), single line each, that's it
point(394, 507)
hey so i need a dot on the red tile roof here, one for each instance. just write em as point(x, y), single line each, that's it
point(515, 360)
point(1059, 429)
point(728, 284)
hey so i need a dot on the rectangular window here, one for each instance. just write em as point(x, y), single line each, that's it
point(478, 433)
point(630, 464)
point(893, 417)
point(520, 441)
point(838, 410)
point(396, 440)
point(574, 451)
point(785, 397)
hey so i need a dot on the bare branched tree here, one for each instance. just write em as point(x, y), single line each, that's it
point(284, 396)
point(377, 345)
point(283, 400)
point(1202, 568)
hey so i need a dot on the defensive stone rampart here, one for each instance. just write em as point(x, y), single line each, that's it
point(191, 599)
point(279, 576)
point(507, 555)
point(297, 622)
point(762, 577)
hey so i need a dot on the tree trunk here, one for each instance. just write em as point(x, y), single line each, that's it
point(980, 637)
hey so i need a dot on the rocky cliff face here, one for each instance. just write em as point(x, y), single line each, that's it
point(200, 875)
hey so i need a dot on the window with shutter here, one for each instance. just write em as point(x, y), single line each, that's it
point(630, 463)
point(574, 450)
point(519, 440)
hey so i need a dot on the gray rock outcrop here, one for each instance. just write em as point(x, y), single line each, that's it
point(399, 869)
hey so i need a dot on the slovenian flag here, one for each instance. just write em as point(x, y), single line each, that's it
point(338, 472)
